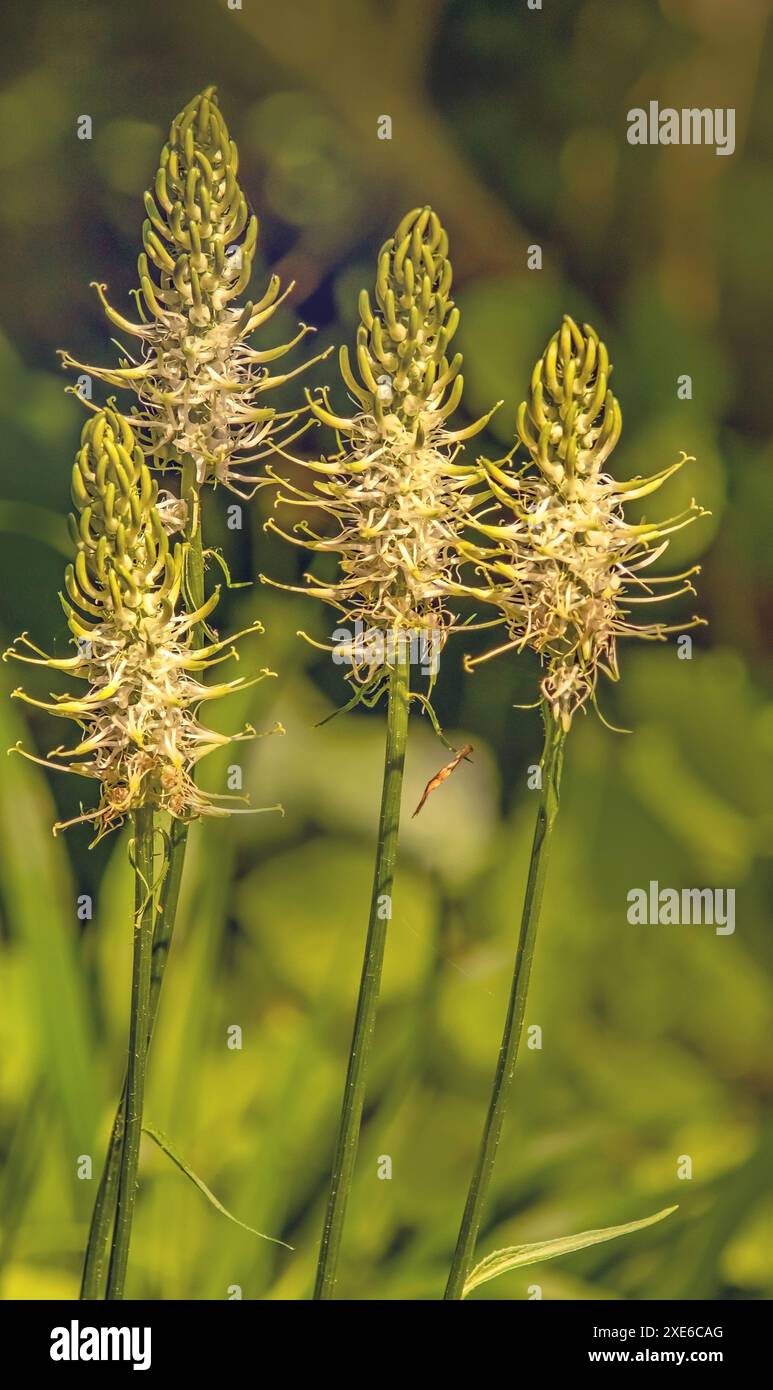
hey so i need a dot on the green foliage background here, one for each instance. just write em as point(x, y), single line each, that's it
point(656, 1041)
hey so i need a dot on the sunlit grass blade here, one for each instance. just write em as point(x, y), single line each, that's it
point(514, 1256)
point(166, 1147)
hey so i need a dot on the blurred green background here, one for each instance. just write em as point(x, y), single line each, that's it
point(656, 1041)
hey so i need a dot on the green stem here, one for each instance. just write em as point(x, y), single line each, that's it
point(370, 982)
point(95, 1263)
point(139, 1026)
point(552, 761)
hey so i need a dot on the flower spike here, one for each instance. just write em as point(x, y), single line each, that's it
point(141, 735)
point(199, 381)
point(397, 499)
point(560, 560)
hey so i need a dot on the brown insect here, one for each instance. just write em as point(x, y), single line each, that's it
point(444, 772)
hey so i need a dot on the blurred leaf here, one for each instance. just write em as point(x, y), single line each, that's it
point(26, 1283)
point(654, 347)
point(36, 524)
point(656, 443)
point(321, 891)
point(41, 901)
point(126, 154)
point(712, 833)
point(505, 324)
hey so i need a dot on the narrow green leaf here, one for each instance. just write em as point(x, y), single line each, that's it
point(163, 1143)
point(513, 1256)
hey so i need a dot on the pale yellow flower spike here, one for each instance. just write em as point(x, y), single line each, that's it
point(142, 737)
point(560, 559)
point(395, 496)
point(199, 381)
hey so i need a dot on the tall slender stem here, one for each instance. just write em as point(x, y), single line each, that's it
point(552, 762)
point(370, 982)
point(139, 1026)
point(95, 1263)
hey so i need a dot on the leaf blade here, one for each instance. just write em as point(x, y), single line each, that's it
point(515, 1256)
point(165, 1146)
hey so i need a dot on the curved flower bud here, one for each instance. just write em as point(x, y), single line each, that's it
point(141, 734)
point(198, 380)
point(123, 567)
point(194, 221)
point(571, 421)
point(396, 496)
point(564, 567)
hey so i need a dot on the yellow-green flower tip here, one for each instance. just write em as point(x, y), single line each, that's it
point(402, 346)
point(122, 559)
point(195, 216)
point(570, 421)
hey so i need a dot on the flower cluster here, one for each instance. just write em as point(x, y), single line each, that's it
point(198, 381)
point(142, 736)
point(564, 568)
point(395, 494)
